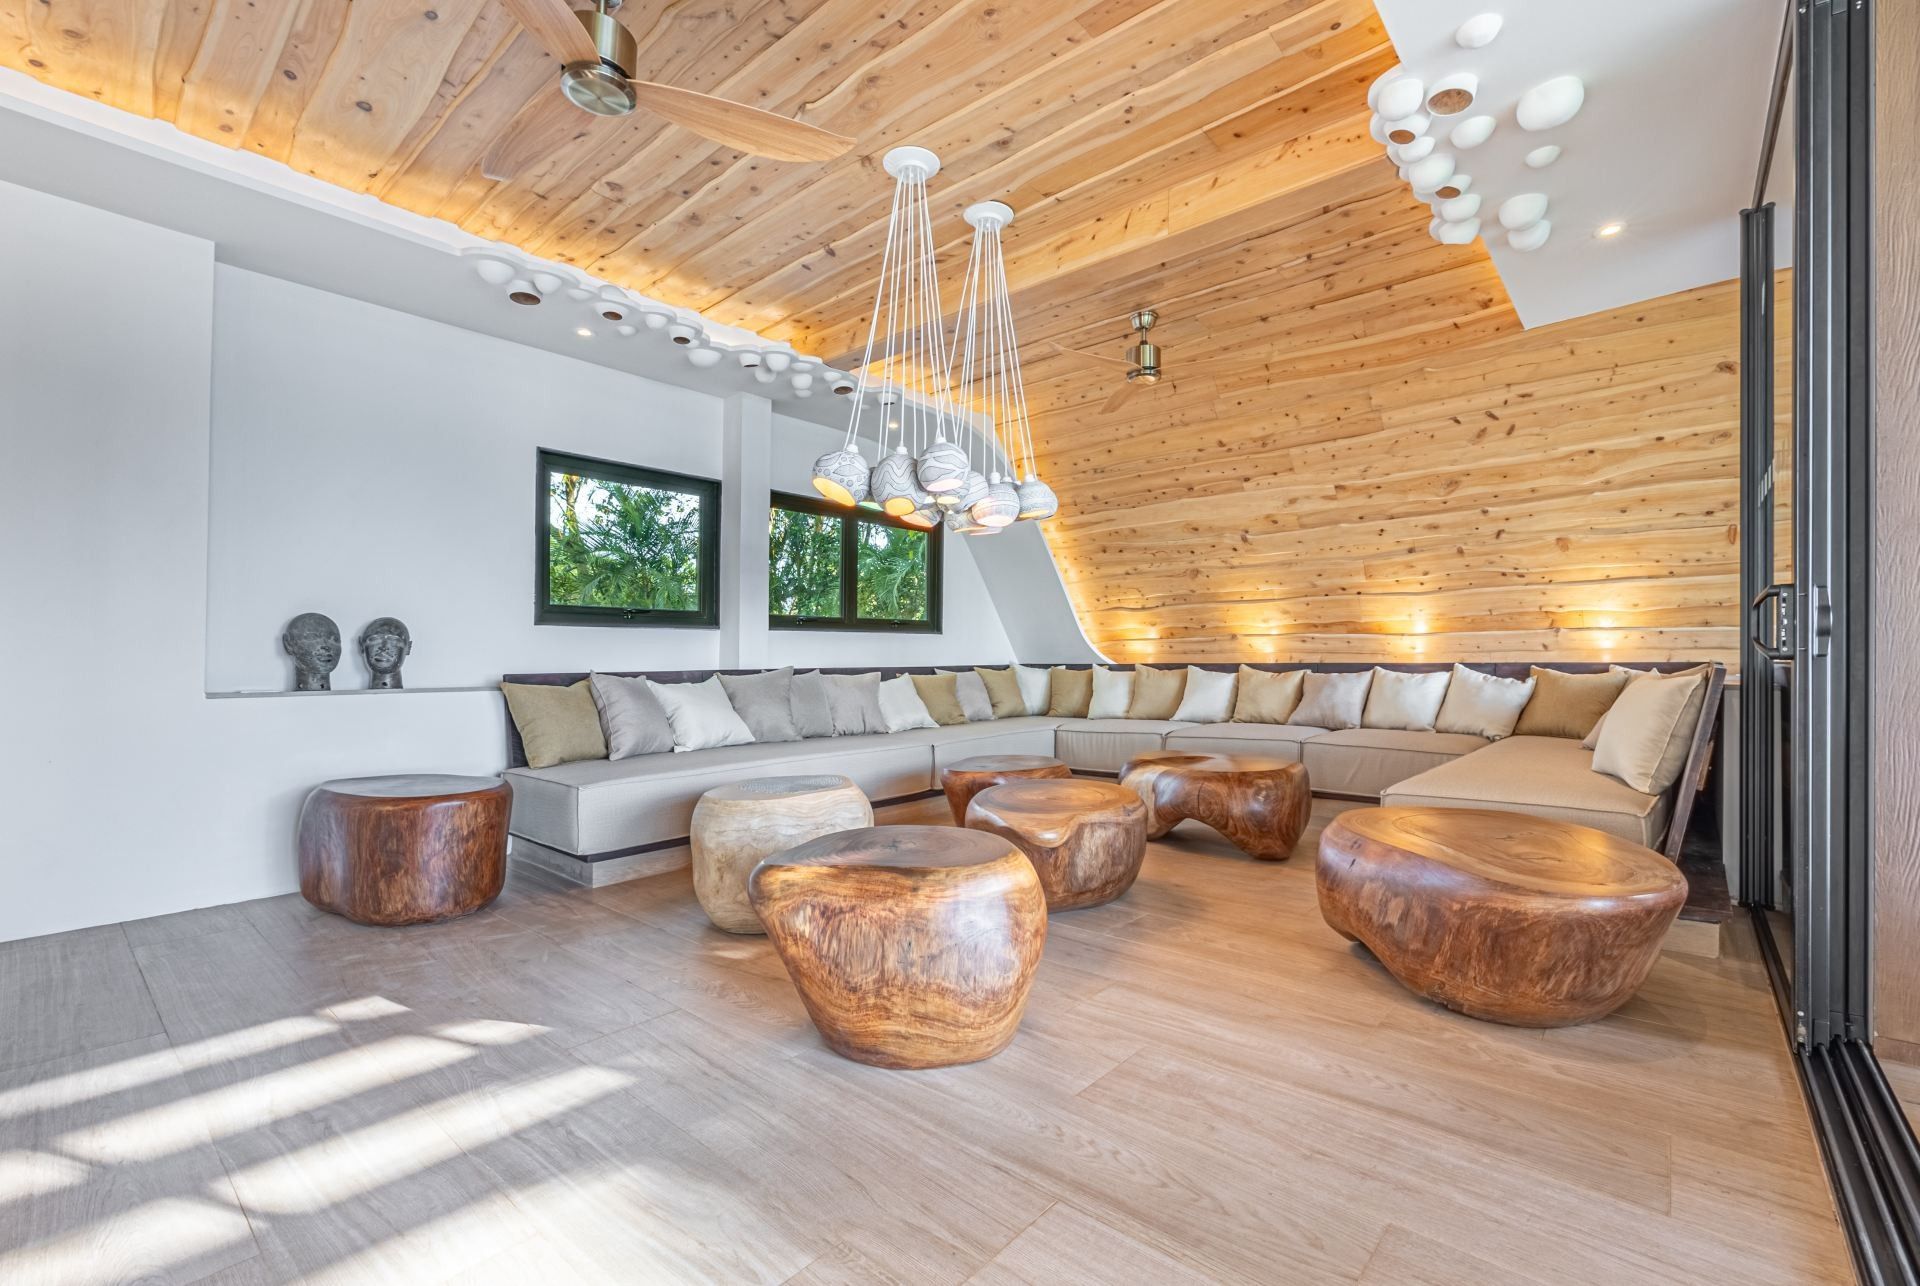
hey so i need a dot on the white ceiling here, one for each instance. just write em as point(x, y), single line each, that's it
point(267, 218)
point(1666, 143)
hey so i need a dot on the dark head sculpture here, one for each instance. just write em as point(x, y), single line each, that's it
point(384, 644)
point(313, 641)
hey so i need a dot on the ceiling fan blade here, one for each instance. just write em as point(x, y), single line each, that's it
point(743, 128)
point(1119, 395)
point(546, 124)
point(1064, 351)
point(554, 26)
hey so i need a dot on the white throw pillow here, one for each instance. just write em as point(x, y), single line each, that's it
point(1484, 705)
point(1208, 697)
point(1334, 700)
point(1035, 681)
point(1112, 693)
point(700, 715)
point(901, 706)
point(972, 691)
point(1403, 699)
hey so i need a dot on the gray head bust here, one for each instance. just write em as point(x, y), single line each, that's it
point(313, 641)
point(384, 645)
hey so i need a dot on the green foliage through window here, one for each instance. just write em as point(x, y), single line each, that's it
point(813, 545)
point(622, 544)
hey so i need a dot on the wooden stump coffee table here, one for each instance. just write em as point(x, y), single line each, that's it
point(1084, 838)
point(1502, 916)
point(911, 946)
point(1259, 803)
point(965, 778)
point(735, 826)
point(404, 849)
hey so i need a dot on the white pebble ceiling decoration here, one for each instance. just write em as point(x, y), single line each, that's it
point(608, 310)
point(1428, 123)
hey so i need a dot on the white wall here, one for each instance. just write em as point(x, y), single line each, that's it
point(369, 463)
point(194, 453)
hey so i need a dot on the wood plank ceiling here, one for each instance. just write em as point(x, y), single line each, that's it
point(1357, 449)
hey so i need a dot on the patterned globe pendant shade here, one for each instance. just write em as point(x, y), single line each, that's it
point(943, 467)
point(1002, 505)
point(925, 519)
point(1037, 501)
point(841, 476)
point(894, 485)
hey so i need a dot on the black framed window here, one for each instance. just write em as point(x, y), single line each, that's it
point(829, 568)
point(615, 544)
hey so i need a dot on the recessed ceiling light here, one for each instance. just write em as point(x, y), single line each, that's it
point(1611, 230)
point(584, 333)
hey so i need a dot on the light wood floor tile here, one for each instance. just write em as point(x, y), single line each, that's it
point(69, 993)
point(594, 1085)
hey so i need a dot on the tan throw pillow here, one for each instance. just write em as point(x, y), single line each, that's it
point(941, 694)
point(1482, 705)
point(1069, 693)
point(1592, 738)
point(1567, 705)
point(1267, 697)
point(1156, 693)
point(1648, 719)
point(1404, 699)
point(557, 725)
point(1003, 689)
point(1332, 700)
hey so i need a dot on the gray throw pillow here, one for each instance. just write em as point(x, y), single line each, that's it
point(971, 689)
point(812, 713)
point(855, 702)
point(764, 703)
point(634, 720)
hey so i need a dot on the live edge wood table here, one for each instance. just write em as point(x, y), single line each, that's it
point(965, 778)
point(1085, 839)
point(1502, 916)
point(735, 826)
point(404, 849)
point(1258, 802)
point(911, 946)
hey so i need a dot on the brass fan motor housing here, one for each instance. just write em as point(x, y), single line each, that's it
point(601, 88)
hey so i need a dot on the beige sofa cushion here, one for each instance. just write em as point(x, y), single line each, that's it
point(1332, 700)
point(1567, 705)
point(1408, 699)
point(1275, 740)
point(557, 725)
point(941, 697)
point(1485, 705)
point(1156, 692)
point(1266, 696)
point(1003, 690)
point(1069, 693)
point(1105, 745)
point(1545, 776)
point(601, 805)
point(1645, 737)
point(1365, 761)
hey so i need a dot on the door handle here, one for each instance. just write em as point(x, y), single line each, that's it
point(1772, 622)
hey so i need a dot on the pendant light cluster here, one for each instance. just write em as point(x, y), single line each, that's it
point(929, 466)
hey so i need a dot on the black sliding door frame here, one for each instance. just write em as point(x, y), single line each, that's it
point(1821, 627)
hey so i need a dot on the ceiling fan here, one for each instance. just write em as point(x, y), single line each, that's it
point(1142, 360)
point(598, 56)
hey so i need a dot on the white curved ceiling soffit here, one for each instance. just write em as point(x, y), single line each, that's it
point(1663, 145)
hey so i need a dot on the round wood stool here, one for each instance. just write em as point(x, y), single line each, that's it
point(735, 826)
point(1516, 919)
point(911, 946)
point(965, 778)
point(1259, 803)
point(404, 850)
point(1084, 838)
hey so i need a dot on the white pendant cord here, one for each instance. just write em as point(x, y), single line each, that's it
point(965, 389)
point(933, 340)
point(873, 327)
point(1021, 423)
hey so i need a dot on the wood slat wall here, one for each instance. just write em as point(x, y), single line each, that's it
point(1567, 492)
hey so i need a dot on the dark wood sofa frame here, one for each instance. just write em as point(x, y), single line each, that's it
point(1692, 777)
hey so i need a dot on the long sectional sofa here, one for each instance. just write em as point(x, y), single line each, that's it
point(600, 820)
